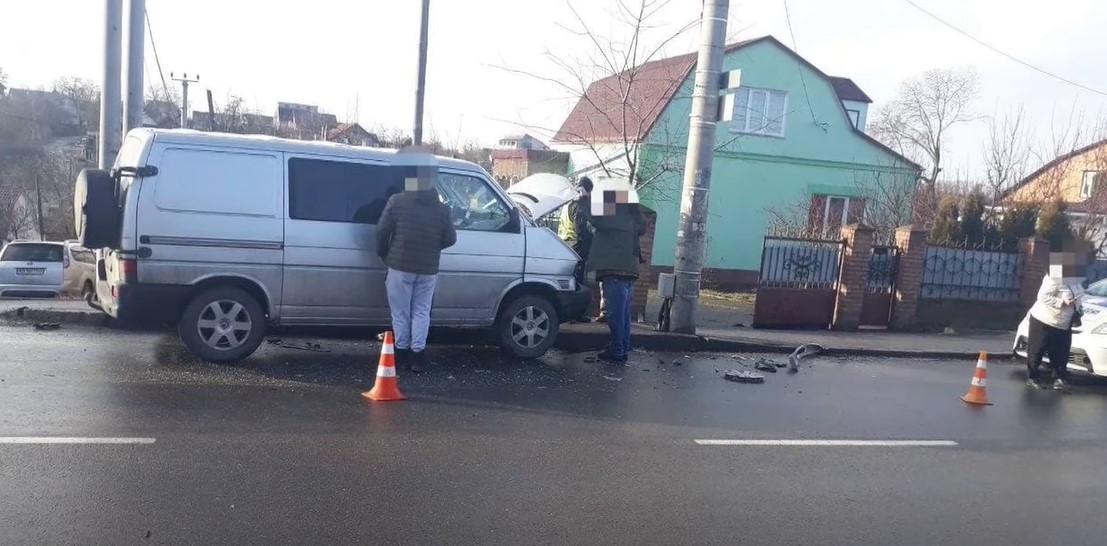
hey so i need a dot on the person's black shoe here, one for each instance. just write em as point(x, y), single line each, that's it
point(1061, 385)
point(1034, 384)
point(418, 362)
point(403, 359)
point(611, 357)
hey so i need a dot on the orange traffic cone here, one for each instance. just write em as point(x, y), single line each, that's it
point(978, 389)
point(386, 388)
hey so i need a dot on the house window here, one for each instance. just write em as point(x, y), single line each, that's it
point(760, 111)
point(854, 117)
point(1087, 184)
point(828, 213)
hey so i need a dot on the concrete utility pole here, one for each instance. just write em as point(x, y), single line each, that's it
point(110, 122)
point(136, 42)
point(185, 80)
point(692, 232)
point(421, 85)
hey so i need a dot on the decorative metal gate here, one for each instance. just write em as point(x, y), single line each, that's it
point(798, 286)
point(880, 291)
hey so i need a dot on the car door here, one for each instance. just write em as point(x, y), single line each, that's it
point(488, 256)
point(332, 273)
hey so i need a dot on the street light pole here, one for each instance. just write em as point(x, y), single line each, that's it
point(420, 88)
point(692, 231)
point(136, 41)
point(110, 123)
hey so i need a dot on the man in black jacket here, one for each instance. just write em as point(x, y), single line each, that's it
point(413, 229)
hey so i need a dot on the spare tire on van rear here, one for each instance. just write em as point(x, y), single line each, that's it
point(95, 213)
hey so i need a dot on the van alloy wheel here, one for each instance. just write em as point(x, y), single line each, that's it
point(224, 325)
point(530, 327)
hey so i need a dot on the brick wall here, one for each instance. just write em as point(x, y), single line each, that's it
point(853, 277)
point(909, 273)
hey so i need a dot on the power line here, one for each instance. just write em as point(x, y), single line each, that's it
point(799, 69)
point(1005, 54)
point(154, 46)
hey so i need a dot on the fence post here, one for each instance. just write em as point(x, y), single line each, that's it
point(911, 242)
point(1035, 265)
point(853, 278)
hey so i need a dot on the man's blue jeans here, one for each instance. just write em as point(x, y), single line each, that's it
point(617, 292)
point(409, 300)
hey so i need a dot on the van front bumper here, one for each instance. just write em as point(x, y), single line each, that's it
point(574, 304)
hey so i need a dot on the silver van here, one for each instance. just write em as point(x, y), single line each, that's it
point(228, 235)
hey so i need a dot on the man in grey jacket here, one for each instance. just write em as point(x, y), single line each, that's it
point(413, 229)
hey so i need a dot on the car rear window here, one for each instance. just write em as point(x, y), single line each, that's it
point(32, 253)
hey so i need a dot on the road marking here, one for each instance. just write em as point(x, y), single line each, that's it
point(831, 443)
point(71, 440)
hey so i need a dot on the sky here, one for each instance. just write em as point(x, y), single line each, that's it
point(357, 58)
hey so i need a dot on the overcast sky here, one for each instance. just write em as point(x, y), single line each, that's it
point(338, 53)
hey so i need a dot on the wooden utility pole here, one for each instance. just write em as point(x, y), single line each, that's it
point(692, 231)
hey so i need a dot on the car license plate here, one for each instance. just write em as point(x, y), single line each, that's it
point(30, 271)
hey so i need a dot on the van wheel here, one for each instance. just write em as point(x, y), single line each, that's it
point(95, 212)
point(223, 324)
point(528, 326)
point(88, 292)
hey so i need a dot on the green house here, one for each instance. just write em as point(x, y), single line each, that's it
point(791, 149)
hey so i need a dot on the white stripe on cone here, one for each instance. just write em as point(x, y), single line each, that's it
point(978, 382)
point(386, 371)
point(387, 349)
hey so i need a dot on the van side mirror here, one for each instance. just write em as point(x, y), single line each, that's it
point(514, 222)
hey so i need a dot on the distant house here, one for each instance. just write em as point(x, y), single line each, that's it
point(521, 141)
point(353, 134)
point(17, 216)
point(1077, 178)
point(303, 121)
point(790, 136)
point(60, 113)
point(251, 124)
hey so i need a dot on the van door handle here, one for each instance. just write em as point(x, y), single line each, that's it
point(144, 252)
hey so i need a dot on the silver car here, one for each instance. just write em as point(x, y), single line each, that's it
point(227, 235)
point(32, 269)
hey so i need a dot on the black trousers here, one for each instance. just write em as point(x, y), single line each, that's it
point(1047, 340)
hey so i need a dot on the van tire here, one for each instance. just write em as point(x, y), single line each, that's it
point(227, 308)
point(95, 213)
point(522, 338)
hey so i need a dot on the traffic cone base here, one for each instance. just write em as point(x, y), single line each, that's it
point(978, 388)
point(386, 389)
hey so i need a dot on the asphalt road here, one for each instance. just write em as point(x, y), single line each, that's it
point(283, 450)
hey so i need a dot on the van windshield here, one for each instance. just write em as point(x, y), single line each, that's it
point(32, 253)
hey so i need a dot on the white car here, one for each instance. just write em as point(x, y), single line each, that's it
point(1089, 341)
point(46, 269)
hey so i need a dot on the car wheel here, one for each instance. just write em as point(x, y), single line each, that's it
point(95, 212)
point(528, 326)
point(224, 324)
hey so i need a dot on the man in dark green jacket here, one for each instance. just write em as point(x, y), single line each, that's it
point(613, 259)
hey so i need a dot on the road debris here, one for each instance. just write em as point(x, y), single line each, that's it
point(305, 346)
point(767, 365)
point(46, 326)
point(609, 378)
point(743, 376)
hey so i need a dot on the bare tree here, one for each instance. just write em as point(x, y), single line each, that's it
point(1006, 152)
point(917, 122)
point(85, 94)
point(619, 87)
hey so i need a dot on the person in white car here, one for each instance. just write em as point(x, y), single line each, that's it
point(1052, 316)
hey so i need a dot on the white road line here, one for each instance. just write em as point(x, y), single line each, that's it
point(71, 440)
point(831, 443)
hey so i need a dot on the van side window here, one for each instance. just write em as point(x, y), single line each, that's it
point(338, 191)
point(473, 204)
point(211, 182)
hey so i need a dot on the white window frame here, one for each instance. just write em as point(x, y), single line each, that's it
point(762, 131)
point(854, 117)
point(845, 211)
point(1087, 183)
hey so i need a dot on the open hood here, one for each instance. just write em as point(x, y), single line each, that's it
point(543, 193)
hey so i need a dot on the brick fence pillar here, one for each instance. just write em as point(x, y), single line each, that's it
point(642, 287)
point(853, 279)
point(1035, 265)
point(911, 242)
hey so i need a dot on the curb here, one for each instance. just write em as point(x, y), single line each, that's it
point(573, 341)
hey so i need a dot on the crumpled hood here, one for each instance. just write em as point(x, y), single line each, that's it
point(542, 193)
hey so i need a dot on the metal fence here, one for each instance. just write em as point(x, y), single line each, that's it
point(882, 269)
point(800, 263)
point(971, 274)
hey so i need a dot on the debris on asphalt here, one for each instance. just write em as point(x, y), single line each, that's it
point(46, 326)
point(766, 365)
point(743, 376)
point(305, 346)
point(591, 359)
point(273, 341)
point(678, 363)
point(609, 378)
